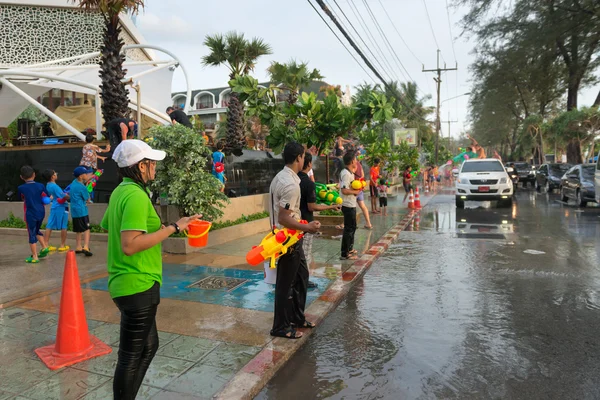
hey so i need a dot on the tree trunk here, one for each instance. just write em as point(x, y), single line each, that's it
point(236, 135)
point(574, 152)
point(115, 96)
point(542, 152)
point(326, 169)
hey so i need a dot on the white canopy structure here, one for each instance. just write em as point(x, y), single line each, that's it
point(151, 82)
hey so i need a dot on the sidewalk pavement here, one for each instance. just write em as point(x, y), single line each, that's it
point(214, 318)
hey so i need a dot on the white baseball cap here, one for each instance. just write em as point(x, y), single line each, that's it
point(131, 151)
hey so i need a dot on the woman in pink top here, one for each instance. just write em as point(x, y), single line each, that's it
point(90, 152)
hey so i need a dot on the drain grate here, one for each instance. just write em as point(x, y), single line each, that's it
point(480, 236)
point(215, 282)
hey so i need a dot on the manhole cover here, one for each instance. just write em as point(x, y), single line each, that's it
point(480, 236)
point(218, 283)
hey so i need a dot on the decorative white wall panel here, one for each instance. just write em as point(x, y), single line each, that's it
point(30, 35)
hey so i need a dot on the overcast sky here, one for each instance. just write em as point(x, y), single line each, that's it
point(294, 30)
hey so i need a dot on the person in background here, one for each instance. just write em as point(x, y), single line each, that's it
point(205, 137)
point(89, 157)
point(179, 117)
point(383, 201)
point(308, 205)
point(219, 157)
point(79, 197)
point(349, 206)
point(292, 270)
point(360, 199)
point(31, 192)
point(134, 262)
point(59, 212)
point(375, 175)
point(407, 181)
point(121, 129)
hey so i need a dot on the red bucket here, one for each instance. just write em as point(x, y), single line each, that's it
point(198, 233)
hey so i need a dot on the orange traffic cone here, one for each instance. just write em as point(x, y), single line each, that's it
point(417, 221)
point(73, 341)
point(417, 199)
point(411, 201)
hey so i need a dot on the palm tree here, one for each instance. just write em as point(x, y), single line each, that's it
point(292, 77)
point(239, 55)
point(115, 96)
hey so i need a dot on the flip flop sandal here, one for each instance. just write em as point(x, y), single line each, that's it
point(368, 227)
point(78, 251)
point(43, 253)
point(350, 257)
point(287, 334)
point(306, 324)
point(353, 252)
point(31, 260)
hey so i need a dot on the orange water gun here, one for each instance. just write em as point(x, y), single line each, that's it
point(275, 244)
point(359, 184)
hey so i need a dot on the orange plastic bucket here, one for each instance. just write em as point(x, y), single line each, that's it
point(198, 233)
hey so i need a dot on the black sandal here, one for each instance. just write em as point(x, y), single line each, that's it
point(287, 334)
point(306, 324)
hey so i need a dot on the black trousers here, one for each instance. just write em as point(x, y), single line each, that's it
point(139, 341)
point(290, 289)
point(349, 229)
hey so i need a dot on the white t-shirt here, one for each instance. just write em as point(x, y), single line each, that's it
point(346, 178)
point(310, 173)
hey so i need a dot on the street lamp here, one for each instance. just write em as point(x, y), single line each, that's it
point(455, 97)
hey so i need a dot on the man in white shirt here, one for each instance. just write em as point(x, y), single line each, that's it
point(348, 196)
point(292, 269)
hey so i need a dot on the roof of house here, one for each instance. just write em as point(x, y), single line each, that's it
point(314, 86)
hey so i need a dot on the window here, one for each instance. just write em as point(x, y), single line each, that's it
point(588, 172)
point(482, 166)
point(204, 101)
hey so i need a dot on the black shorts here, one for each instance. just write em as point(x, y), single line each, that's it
point(383, 202)
point(373, 190)
point(81, 224)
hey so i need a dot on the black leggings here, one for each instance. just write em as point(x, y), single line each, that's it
point(139, 341)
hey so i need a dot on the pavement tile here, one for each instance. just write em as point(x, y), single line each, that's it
point(266, 359)
point(108, 333)
point(201, 380)
point(6, 396)
point(67, 384)
point(166, 395)
point(14, 314)
point(105, 392)
point(104, 365)
point(38, 323)
point(230, 356)
point(165, 338)
point(188, 348)
point(163, 370)
point(22, 374)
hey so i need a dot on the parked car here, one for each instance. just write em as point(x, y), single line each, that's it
point(548, 176)
point(526, 173)
point(578, 183)
point(481, 180)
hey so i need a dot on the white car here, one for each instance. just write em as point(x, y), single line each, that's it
point(483, 180)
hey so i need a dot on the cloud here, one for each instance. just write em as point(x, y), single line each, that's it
point(164, 28)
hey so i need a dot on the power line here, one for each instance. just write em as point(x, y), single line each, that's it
point(359, 36)
point(398, 32)
point(431, 27)
point(340, 40)
point(450, 29)
point(389, 46)
point(361, 54)
point(370, 35)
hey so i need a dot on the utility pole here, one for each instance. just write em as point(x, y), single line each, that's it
point(438, 81)
point(449, 122)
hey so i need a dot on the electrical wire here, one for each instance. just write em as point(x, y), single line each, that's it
point(370, 35)
point(432, 30)
point(342, 43)
point(359, 36)
point(450, 29)
point(387, 42)
point(398, 32)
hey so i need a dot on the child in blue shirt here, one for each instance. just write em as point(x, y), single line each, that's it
point(79, 211)
point(31, 192)
point(219, 157)
point(59, 211)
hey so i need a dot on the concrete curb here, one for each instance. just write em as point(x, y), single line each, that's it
point(251, 379)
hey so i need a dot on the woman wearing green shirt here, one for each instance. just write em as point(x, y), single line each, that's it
point(134, 262)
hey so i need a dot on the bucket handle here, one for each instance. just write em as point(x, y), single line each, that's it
point(200, 235)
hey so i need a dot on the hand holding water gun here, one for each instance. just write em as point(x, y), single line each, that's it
point(326, 195)
point(92, 183)
point(275, 244)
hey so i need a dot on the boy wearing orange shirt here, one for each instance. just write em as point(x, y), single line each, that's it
point(375, 175)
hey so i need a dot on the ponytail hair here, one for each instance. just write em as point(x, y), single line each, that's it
point(134, 173)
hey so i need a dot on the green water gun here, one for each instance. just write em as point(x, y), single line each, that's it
point(326, 195)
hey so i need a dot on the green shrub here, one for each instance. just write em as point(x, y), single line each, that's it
point(331, 213)
point(184, 175)
point(242, 220)
point(12, 222)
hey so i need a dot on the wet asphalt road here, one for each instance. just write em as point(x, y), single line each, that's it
point(459, 308)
